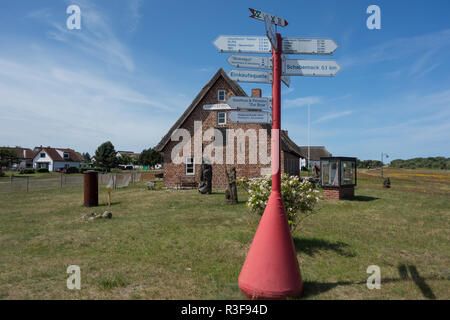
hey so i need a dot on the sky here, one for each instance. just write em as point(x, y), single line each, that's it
point(134, 66)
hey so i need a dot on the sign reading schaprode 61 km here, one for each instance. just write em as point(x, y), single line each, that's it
point(249, 44)
point(308, 46)
point(314, 68)
point(251, 76)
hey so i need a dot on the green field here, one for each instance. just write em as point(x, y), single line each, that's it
point(183, 245)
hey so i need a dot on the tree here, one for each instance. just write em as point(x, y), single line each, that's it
point(125, 159)
point(86, 157)
point(150, 157)
point(105, 156)
point(7, 156)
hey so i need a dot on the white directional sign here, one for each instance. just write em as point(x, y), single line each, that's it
point(308, 46)
point(315, 68)
point(250, 117)
point(250, 103)
point(217, 106)
point(243, 44)
point(251, 76)
point(250, 62)
point(270, 33)
point(256, 14)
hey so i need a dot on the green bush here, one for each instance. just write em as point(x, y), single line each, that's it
point(26, 171)
point(299, 197)
point(71, 170)
point(42, 170)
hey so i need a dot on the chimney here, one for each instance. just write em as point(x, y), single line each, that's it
point(256, 93)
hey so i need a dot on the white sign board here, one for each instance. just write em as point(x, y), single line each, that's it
point(314, 68)
point(250, 62)
point(270, 33)
point(256, 14)
point(250, 103)
point(248, 44)
point(308, 46)
point(251, 76)
point(217, 106)
point(250, 117)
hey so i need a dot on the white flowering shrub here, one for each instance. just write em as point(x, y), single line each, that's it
point(299, 197)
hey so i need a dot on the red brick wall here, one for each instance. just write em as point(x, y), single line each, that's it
point(338, 193)
point(173, 172)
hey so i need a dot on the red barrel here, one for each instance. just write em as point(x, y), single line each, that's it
point(90, 188)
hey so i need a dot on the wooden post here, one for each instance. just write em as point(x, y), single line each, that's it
point(10, 179)
point(60, 180)
point(28, 178)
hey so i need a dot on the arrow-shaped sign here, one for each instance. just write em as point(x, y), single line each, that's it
point(308, 46)
point(270, 33)
point(250, 103)
point(250, 62)
point(248, 44)
point(256, 14)
point(250, 117)
point(315, 68)
point(217, 106)
point(251, 76)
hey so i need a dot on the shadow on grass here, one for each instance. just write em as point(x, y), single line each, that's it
point(314, 245)
point(313, 288)
point(362, 198)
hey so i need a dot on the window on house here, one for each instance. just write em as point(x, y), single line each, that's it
point(43, 155)
point(221, 118)
point(66, 155)
point(221, 95)
point(189, 166)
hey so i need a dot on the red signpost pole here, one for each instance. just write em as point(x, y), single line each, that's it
point(271, 269)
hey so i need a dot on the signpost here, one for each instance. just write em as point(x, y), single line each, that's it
point(308, 46)
point(270, 33)
point(316, 68)
point(250, 117)
point(250, 103)
point(256, 14)
point(250, 62)
point(251, 76)
point(216, 106)
point(248, 44)
point(271, 270)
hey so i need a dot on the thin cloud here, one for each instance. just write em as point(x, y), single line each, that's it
point(97, 37)
point(424, 49)
point(332, 116)
point(302, 102)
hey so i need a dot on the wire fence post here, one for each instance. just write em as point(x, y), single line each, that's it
point(28, 178)
point(60, 180)
point(10, 179)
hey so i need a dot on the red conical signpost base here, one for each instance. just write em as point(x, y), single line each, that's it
point(271, 269)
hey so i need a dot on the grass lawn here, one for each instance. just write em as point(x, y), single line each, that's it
point(183, 245)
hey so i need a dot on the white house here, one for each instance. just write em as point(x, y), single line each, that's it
point(56, 158)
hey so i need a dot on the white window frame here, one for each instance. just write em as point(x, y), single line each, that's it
point(190, 160)
point(224, 118)
point(224, 95)
point(66, 155)
point(42, 153)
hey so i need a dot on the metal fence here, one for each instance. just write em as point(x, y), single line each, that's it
point(26, 184)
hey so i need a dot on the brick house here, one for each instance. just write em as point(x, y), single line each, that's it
point(217, 91)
